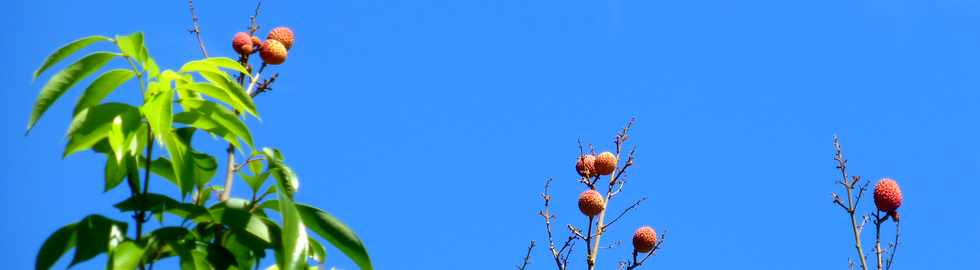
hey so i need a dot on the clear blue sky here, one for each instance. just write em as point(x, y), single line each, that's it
point(430, 126)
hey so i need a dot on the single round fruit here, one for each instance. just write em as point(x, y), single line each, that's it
point(585, 165)
point(282, 34)
point(644, 239)
point(591, 203)
point(888, 197)
point(273, 52)
point(242, 43)
point(605, 163)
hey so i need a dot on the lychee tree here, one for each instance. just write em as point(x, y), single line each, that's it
point(153, 139)
point(604, 177)
point(887, 199)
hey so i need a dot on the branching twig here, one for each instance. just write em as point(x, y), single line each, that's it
point(635, 204)
point(546, 213)
point(851, 202)
point(621, 138)
point(197, 28)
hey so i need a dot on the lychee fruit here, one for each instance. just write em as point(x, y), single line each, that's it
point(242, 43)
point(605, 163)
point(888, 197)
point(282, 34)
point(273, 52)
point(644, 239)
point(585, 165)
point(591, 203)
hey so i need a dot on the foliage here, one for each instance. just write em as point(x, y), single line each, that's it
point(202, 96)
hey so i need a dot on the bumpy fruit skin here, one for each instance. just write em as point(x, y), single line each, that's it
point(242, 43)
point(888, 197)
point(591, 203)
point(585, 165)
point(605, 163)
point(644, 239)
point(273, 52)
point(283, 35)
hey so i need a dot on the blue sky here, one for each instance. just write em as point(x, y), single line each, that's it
point(430, 126)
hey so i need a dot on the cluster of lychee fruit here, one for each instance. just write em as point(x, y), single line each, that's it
point(592, 203)
point(888, 197)
point(273, 50)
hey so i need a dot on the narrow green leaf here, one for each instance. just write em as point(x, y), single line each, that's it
point(205, 167)
point(216, 120)
point(335, 232)
point(97, 234)
point(102, 86)
point(215, 92)
point(234, 91)
point(294, 238)
point(115, 172)
point(126, 256)
point(67, 50)
point(65, 79)
point(54, 247)
point(180, 156)
point(213, 64)
point(94, 123)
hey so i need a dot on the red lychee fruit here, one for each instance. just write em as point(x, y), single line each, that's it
point(605, 163)
point(888, 197)
point(644, 239)
point(591, 203)
point(242, 43)
point(273, 52)
point(282, 34)
point(585, 165)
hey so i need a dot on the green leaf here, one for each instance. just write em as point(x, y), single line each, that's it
point(255, 181)
point(96, 234)
point(67, 50)
point(317, 252)
point(213, 64)
point(335, 232)
point(159, 111)
point(205, 167)
point(150, 66)
point(132, 46)
point(158, 203)
point(95, 123)
point(102, 86)
point(163, 168)
point(182, 161)
point(285, 176)
point(64, 80)
point(294, 238)
point(115, 172)
point(125, 256)
point(234, 91)
point(234, 214)
point(216, 120)
point(54, 247)
point(213, 91)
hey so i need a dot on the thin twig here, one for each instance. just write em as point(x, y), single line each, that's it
point(894, 247)
point(850, 207)
point(635, 204)
point(197, 28)
point(546, 213)
point(527, 257)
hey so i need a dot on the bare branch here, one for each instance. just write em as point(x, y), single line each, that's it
point(851, 202)
point(197, 28)
point(635, 204)
point(527, 257)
